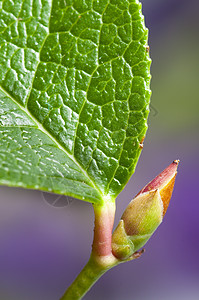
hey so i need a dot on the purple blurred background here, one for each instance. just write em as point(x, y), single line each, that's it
point(43, 248)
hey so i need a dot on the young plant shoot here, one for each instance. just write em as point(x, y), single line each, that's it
point(74, 101)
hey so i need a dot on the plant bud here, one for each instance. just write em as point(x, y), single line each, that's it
point(144, 214)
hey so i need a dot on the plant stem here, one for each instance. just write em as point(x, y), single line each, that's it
point(85, 280)
point(104, 220)
point(101, 259)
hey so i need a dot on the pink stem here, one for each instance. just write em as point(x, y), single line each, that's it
point(104, 220)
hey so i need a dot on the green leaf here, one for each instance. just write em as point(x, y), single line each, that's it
point(74, 95)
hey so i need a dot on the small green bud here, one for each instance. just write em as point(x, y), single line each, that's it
point(144, 214)
point(140, 219)
point(122, 246)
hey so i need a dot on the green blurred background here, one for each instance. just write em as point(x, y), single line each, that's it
point(174, 41)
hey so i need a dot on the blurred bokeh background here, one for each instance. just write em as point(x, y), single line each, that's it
point(42, 248)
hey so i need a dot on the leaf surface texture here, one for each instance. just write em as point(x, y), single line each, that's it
point(74, 95)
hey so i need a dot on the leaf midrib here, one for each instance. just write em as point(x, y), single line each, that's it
point(42, 129)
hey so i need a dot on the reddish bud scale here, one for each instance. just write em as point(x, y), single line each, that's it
point(165, 183)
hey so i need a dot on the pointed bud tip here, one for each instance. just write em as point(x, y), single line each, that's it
point(164, 182)
point(176, 161)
